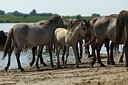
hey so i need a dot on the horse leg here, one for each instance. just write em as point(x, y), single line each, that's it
point(126, 51)
point(39, 55)
point(121, 57)
point(107, 49)
point(98, 55)
point(78, 53)
point(93, 50)
point(89, 55)
point(57, 53)
point(17, 53)
point(33, 58)
point(111, 60)
point(50, 54)
point(41, 58)
point(94, 56)
point(81, 49)
point(9, 59)
point(76, 56)
point(67, 54)
point(64, 50)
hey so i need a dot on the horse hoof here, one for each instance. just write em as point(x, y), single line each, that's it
point(92, 63)
point(120, 61)
point(58, 66)
point(113, 63)
point(52, 66)
point(102, 65)
point(6, 69)
point(79, 61)
point(22, 70)
point(108, 63)
point(77, 66)
point(65, 66)
point(31, 64)
point(44, 64)
point(38, 67)
point(89, 56)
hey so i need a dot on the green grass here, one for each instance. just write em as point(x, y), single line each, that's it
point(10, 19)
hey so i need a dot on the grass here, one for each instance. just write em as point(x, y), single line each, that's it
point(10, 19)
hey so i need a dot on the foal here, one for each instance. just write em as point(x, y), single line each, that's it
point(69, 37)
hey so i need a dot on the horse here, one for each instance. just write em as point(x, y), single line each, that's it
point(24, 36)
point(3, 38)
point(34, 49)
point(105, 26)
point(69, 37)
point(80, 41)
point(122, 28)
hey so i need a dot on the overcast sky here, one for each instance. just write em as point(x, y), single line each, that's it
point(65, 7)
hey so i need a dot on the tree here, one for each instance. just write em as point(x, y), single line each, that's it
point(95, 15)
point(33, 13)
point(78, 17)
point(2, 12)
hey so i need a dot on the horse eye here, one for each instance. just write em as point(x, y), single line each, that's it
point(83, 28)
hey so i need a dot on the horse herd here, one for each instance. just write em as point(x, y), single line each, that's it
point(64, 34)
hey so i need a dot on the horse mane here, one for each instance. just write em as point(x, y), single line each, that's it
point(87, 22)
point(72, 24)
point(94, 20)
point(114, 15)
point(54, 18)
point(120, 23)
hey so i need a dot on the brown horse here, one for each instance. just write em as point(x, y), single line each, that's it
point(24, 36)
point(122, 28)
point(106, 27)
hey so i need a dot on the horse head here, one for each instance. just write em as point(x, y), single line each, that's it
point(3, 38)
point(56, 20)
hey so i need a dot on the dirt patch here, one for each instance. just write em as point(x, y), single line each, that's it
point(85, 75)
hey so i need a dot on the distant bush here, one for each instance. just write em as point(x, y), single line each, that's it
point(2, 12)
point(95, 15)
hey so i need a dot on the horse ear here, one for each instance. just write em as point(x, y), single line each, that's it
point(41, 23)
point(82, 23)
point(71, 22)
point(61, 17)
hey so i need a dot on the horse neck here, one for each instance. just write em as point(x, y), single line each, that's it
point(52, 27)
point(75, 32)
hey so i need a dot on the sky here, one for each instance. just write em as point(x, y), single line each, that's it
point(66, 7)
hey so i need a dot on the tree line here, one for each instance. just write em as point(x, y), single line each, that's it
point(34, 13)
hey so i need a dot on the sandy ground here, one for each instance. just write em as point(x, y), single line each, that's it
point(85, 75)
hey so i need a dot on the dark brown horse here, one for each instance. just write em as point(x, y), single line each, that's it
point(122, 28)
point(3, 38)
point(104, 28)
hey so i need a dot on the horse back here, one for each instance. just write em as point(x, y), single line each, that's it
point(30, 35)
point(60, 34)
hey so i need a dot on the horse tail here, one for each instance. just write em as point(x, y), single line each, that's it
point(94, 20)
point(120, 23)
point(8, 43)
